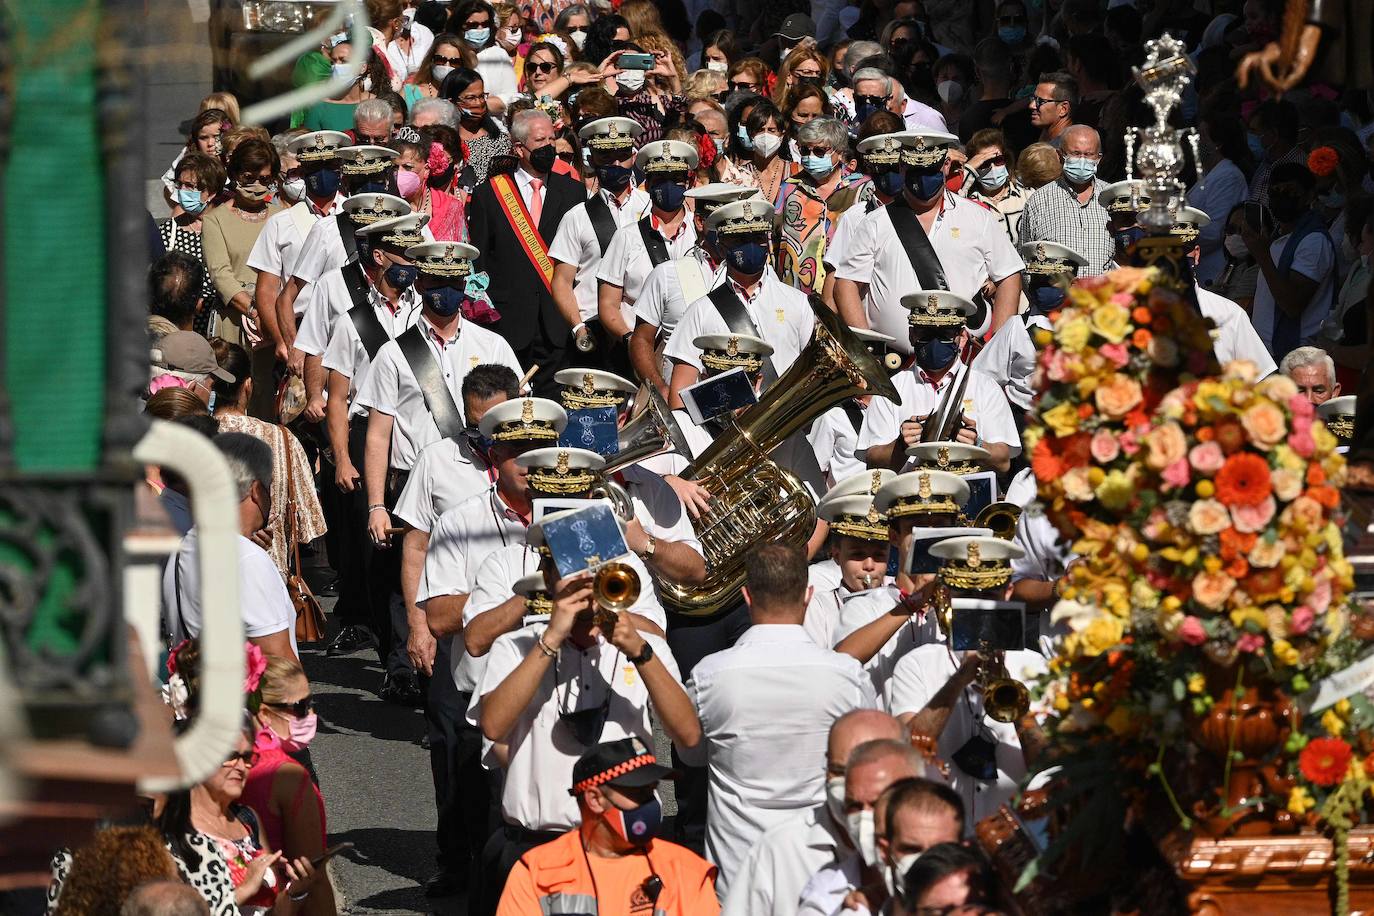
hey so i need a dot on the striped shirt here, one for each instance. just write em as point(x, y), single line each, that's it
point(1053, 214)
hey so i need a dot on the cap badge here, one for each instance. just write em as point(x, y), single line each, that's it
point(732, 347)
point(527, 412)
point(448, 254)
point(924, 491)
point(588, 385)
point(320, 142)
point(875, 482)
point(932, 304)
point(562, 463)
point(638, 746)
point(920, 142)
point(873, 515)
point(1040, 252)
point(942, 456)
point(975, 558)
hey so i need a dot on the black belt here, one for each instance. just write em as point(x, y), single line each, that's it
point(514, 833)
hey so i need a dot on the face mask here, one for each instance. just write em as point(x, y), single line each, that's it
point(614, 177)
point(767, 144)
point(407, 183)
point(541, 160)
point(720, 146)
point(211, 405)
point(749, 258)
point(863, 110)
point(255, 191)
point(807, 80)
point(1012, 34)
point(717, 66)
point(834, 799)
point(1235, 246)
point(375, 186)
point(638, 825)
point(994, 178)
point(444, 301)
point(324, 183)
point(477, 37)
point(1333, 199)
point(1080, 170)
point(473, 114)
point(895, 874)
point(190, 200)
point(668, 196)
point(440, 71)
point(302, 732)
point(630, 80)
point(864, 836)
point(924, 185)
point(579, 37)
point(934, 355)
point(743, 134)
point(293, 189)
point(1046, 298)
point(949, 91)
point(1253, 141)
point(400, 276)
point(340, 71)
point(513, 35)
point(818, 166)
point(890, 183)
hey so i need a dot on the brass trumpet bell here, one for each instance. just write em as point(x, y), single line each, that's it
point(616, 587)
point(1005, 699)
point(1000, 518)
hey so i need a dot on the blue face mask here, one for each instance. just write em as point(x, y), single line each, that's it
point(668, 196)
point(614, 177)
point(211, 406)
point(890, 183)
point(862, 111)
point(1252, 140)
point(1044, 299)
point(749, 258)
point(742, 133)
point(1012, 34)
point(995, 178)
point(323, 184)
point(401, 276)
point(478, 442)
point(638, 825)
point(444, 301)
point(817, 166)
point(1080, 170)
point(1126, 238)
point(190, 201)
point(934, 355)
point(477, 37)
point(924, 185)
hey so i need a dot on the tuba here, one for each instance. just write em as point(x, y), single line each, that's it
point(651, 432)
point(755, 501)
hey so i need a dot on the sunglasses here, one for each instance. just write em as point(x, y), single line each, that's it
point(871, 99)
point(365, 140)
point(1037, 102)
point(300, 709)
point(814, 150)
point(248, 758)
point(996, 160)
point(742, 87)
point(566, 156)
point(477, 24)
point(447, 61)
point(544, 66)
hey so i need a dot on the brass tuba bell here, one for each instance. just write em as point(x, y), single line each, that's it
point(651, 432)
point(1000, 518)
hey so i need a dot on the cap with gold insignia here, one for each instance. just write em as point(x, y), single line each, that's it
point(723, 352)
point(400, 232)
point(666, 156)
point(610, 134)
point(364, 209)
point(1127, 196)
point(937, 308)
point(584, 388)
point(865, 483)
point(443, 260)
point(976, 562)
point(854, 516)
point(524, 420)
point(883, 149)
point(711, 197)
point(880, 345)
point(535, 591)
point(1339, 414)
point(318, 145)
point(562, 471)
point(367, 160)
point(1188, 224)
point(955, 457)
point(921, 492)
point(926, 148)
point(1051, 259)
point(743, 217)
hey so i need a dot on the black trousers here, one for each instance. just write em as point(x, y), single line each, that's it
point(464, 792)
point(691, 640)
point(550, 356)
point(353, 549)
point(502, 851)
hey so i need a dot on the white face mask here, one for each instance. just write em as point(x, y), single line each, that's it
point(834, 799)
point(864, 835)
point(1235, 246)
point(950, 91)
point(513, 35)
point(632, 80)
point(767, 144)
point(440, 71)
point(293, 189)
point(895, 874)
point(717, 66)
point(579, 37)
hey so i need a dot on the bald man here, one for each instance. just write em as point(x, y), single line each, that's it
point(788, 854)
point(164, 898)
point(1068, 210)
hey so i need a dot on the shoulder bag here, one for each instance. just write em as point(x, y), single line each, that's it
point(310, 623)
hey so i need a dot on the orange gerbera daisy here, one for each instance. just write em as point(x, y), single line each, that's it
point(1236, 543)
point(1244, 480)
point(1325, 760)
point(1044, 462)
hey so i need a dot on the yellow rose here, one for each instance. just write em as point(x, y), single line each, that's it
point(1062, 419)
point(1143, 595)
point(1166, 444)
point(1265, 555)
point(1112, 321)
point(1073, 334)
point(1288, 459)
point(1118, 396)
point(1196, 683)
point(1241, 616)
point(1211, 589)
point(1101, 634)
point(1209, 391)
point(1207, 516)
point(1266, 424)
point(1333, 723)
point(1322, 436)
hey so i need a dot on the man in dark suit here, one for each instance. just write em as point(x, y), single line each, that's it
point(501, 213)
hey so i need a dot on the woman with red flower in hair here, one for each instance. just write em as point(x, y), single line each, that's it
point(422, 156)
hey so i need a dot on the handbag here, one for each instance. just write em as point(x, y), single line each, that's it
point(310, 623)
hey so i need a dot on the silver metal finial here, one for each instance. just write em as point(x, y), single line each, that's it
point(1164, 77)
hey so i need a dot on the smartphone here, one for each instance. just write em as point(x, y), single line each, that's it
point(634, 61)
point(330, 853)
point(1255, 216)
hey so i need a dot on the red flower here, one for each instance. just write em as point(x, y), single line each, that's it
point(1243, 480)
point(1322, 161)
point(1325, 760)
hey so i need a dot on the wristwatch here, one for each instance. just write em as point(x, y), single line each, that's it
point(649, 547)
point(642, 657)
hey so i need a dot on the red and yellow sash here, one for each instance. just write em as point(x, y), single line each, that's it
point(519, 218)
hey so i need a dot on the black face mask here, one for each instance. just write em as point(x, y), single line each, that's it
point(977, 758)
point(1285, 207)
point(586, 724)
point(541, 160)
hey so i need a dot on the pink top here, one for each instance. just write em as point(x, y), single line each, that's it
point(446, 219)
point(257, 793)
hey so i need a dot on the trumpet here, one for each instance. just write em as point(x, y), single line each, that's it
point(615, 588)
point(1000, 518)
point(1005, 699)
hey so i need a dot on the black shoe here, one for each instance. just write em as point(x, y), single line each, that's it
point(329, 590)
point(351, 639)
point(445, 883)
point(401, 688)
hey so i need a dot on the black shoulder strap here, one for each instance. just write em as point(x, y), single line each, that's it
point(346, 230)
point(653, 243)
point(739, 321)
point(425, 368)
point(362, 314)
point(603, 224)
point(916, 244)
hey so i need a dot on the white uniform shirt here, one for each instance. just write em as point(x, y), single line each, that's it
point(833, 437)
point(404, 64)
point(1022, 489)
point(1315, 259)
point(576, 243)
point(984, 403)
point(542, 750)
point(766, 706)
point(824, 574)
point(327, 299)
point(780, 864)
point(1009, 359)
point(782, 314)
point(865, 607)
point(662, 302)
point(346, 353)
point(459, 542)
point(844, 230)
point(824, 893)
point(445, 474)
point(391, 388)
point(263, 600)
point(279, 243)
point(626, 263)
point(1047, 554)
point(659, 509)
point(323, 250)
point(823, 614)
point(923, 673)
point(1235, 336)
point(972, 246)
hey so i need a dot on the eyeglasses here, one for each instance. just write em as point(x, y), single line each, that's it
point(995, 160)
point(250, 177)
point(810, 74)
point(814, 150)
point(447, 61)
point(473, 99)
point(364, 139)
point(188, 186)
point(1011, 20)
point(1037, 102)
point(743, 87)
point(875, 100)
point(300, 709)
point(247, 758)
point(544, 66)
point(566, 156)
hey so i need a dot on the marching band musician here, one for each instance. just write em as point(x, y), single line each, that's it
point(929, 239)
point(587, 229)
point(880, 157)
point(859, 546)
point(934, 690)
point(835, 434)
point(825, 574)
point(938, 334)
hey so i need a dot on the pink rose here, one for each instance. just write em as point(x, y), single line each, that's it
point(1301, 441)
point(254, 664)
point(1299, 406)
point(1115, 353)
point(1191, 631)
point(1206, 458)
point(1250, 642)
point(1320, 597)
point(1104, 447)
point(1177, 474)
point(1130, 444)
point(1301, 621)
point(1126, 300)
point(1057, 366)
point(1253, 519)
